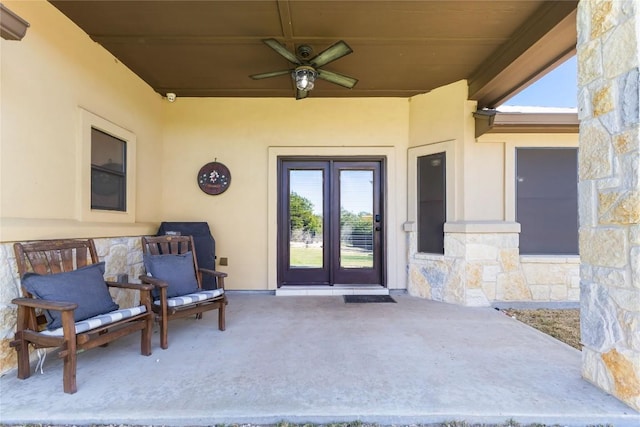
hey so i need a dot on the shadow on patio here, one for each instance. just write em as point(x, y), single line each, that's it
point(317, 359)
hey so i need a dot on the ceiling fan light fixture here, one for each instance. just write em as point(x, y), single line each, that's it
point(307, 70)
point(305, 77)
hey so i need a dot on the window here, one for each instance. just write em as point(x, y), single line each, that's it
point(431, 202)
point(431, 196)
point(547, 200)
point(108, 172)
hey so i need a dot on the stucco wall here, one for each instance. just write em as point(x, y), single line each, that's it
point(45, 79)
point(481, 261)
point(438, 117)
point(240, 134)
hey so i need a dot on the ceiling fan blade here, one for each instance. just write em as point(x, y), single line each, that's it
point(270, 74)
point(275, 45)
point(301, 94)
point(339, 79)
point(333, 52)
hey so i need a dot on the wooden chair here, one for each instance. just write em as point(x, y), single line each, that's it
point(170, 301)
point(63, 279)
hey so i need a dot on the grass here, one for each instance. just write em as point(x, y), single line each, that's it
point(563, 325)
point(312, 257)
point(306, 257)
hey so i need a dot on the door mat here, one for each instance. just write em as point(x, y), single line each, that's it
point(352, 299)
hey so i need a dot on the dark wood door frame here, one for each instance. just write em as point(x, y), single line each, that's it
point(351, 163)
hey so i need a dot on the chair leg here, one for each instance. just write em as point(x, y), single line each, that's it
point(145, 338)
point(22, 349)
point(221, 316)
point(69, 372)
point(68, 351)
point(164, 333)
point(21, 345)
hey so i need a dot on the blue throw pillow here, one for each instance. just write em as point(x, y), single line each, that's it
point(176, 270)
point(84, 286)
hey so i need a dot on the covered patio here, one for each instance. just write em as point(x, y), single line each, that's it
point(317, 359)
point(426, 75)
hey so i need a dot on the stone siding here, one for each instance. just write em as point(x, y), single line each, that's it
point(479, 268)
point(609, 194)
point(122, 255)
point(552, 278)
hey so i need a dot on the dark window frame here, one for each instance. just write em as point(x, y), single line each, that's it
point(113, 182)
point(546, 205)
point(431, 204)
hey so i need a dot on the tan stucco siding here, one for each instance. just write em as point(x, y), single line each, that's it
point(506, 160)
point(239, 133)
point(445, 115)
point(45, 79)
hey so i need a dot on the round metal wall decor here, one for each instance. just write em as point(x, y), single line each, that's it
point(214, 178)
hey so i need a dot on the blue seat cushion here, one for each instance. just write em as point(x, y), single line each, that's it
point(84, 286)
point(177, 270)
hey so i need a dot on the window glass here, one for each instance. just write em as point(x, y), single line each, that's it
point(356, 219)
point(108, 172)
point(547, 200)
point(431, 203)
point(306, 208)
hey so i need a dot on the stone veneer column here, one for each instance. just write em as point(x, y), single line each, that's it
point(609, 194)
point(480, 264)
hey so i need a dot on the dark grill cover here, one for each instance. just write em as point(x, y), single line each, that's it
point(204, 242)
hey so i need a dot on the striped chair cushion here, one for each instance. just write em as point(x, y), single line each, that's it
point(100, 320)
point(192, 298)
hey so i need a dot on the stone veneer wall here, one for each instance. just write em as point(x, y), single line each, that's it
point(122, 255)
point(552, 277)
point(482, 264)
point(609, 194)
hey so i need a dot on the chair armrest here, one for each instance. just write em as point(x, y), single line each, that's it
point(153, 281)
point(213, 272)
point(219, 276)
point(44, 304)
point(137, 286)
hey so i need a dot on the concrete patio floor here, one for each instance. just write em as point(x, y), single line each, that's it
point(317, 359)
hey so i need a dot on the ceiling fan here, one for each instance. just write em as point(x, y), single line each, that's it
point(308, 69)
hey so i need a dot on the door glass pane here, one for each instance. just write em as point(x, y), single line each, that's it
point(305, 218)
point(356, 219)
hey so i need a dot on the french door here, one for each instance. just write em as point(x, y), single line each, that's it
point(330, 222)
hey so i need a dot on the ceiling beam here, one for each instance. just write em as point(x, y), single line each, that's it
point(277, 93)
point(285, 19)
point(548, 40)
point(493, 121)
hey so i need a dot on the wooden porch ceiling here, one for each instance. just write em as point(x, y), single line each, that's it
point(401, 48)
